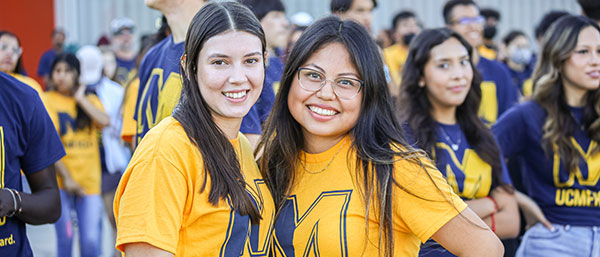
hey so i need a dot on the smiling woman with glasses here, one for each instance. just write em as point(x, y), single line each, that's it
point(343, 179)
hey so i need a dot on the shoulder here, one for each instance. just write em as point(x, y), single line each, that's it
point(15, 91)
point(166, 138)
point(492, 67)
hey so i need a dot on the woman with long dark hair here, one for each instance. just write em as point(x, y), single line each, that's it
point(439, 100)
point(11, 59)
point(192, 187)
point(344, 181)
point(77, 116)
point(556, 134)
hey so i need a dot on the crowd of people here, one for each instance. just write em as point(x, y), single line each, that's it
point(235, 131)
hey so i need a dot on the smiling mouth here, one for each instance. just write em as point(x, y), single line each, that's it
point(235, 95)
point(321, 111)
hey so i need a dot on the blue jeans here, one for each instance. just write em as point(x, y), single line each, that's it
point(89, 210)
point(566, 240)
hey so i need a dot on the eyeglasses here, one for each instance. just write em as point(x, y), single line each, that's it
point(479, 20)
point(14, 50)
point(313, 81)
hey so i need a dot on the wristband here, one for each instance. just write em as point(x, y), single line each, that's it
point(493, 223)
point(20, 209)
point(494, 202)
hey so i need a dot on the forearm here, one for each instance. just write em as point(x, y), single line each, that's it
point(483, 207)
point(507, 221)
point(43, 204)
point(61, 170)
point(98, 116)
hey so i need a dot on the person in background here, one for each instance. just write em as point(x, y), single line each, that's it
point(11, 60)
point(360, 11)
point(114, 155)
point(489, 48)
point(405, 27)
point(591, 9)
point(77, 115)
point(440, 97)
point(498, 93)
point(299, 21)
point(519, 60)
point(160, 81)
point(556, 134)
point(29, 145)
point(123, 46)
point(193, 187)
point(58, 43)
point(545, 22)
point(344, 180)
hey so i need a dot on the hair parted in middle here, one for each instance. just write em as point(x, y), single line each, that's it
point(194, 114)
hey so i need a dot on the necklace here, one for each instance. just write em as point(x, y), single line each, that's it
point(580, 125)
point(330, 161)
point(449, 139)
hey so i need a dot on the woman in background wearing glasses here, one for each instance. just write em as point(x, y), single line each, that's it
point(11, 61)
point(343, 178)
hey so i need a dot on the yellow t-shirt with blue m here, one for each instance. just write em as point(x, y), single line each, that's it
point(565, 197)
point(159, 200)
point(82, 145)
point(325, 214)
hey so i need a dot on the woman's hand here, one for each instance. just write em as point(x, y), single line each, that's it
point(72, 187)
point(80, 92)
point(533, 213)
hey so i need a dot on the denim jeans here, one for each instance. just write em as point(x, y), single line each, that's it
point(566, 240)
point(89, 210)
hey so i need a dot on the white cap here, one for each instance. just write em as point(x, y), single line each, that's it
point(302, 19)
point(91, 61)
point(121, 23)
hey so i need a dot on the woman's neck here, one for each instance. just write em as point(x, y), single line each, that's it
point(444, 115)
point(179, 18)
point(316, 144)
point(575, 96)
point(229, 126)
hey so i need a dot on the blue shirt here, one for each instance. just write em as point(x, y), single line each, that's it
point(123, 69)
point(28, 142)
point(161, 87)
point(498, 92)
point(565, 197)
point(46, 63)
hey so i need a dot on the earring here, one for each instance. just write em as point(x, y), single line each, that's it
point(421, 83)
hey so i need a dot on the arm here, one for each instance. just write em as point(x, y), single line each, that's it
point(43, 204)
point(533, 213)
point(466, 235)
point(507, 218)
point(144, 249)
point(97, 115)
point(70, 185)
point(483, 207)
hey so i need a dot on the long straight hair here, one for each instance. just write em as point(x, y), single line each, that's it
point(220, 160)
point(415, 107)
point(82, 120)
point(378, 137)
point(558, 44)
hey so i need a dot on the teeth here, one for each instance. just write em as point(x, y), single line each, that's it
point(235, 95)
point(321, 111)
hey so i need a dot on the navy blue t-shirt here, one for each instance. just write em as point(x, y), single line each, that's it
point(565, 197)
point(468, 175)
point(123, 69)
point(161, 87)
point(28, 142)
point(498, 92)
point(46, 63)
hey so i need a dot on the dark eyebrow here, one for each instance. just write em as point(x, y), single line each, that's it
point(217, 55)
point(317, 66)
point(348, 74)
point(252, 54)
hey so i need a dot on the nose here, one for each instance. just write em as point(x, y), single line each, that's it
point(238, 75)
point(595, 60)
point(458, 72)
point(326, 92)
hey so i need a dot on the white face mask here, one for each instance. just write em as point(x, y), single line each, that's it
point(521, 56)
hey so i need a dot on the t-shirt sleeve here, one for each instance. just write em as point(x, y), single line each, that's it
point(149, 203)
point(424, 200)
point(128, 130)
point(43, 145)
point(509, 131)
point(251, 122)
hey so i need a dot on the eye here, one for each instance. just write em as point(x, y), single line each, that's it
point(313, 75)
point(218, 62)
point(582, 51)
point(443, 66)
point(252, 61)
point(464, 62)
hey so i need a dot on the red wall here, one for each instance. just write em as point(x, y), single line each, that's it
point(32, 21)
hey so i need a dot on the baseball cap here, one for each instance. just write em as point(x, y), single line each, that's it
point(91, 61)
point(119, 24)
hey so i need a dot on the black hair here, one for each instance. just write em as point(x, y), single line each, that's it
point(512, 35)
point(82, 119)
point(19, 68)
point(490, 13)
point(57, 31)
point(342, 6)
point(402, 16)
point(590, 8)
point(377, 136)
point(415, 107)
point(546, 21)
point(221, 163)
point(449, 6)
point(261, 8)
